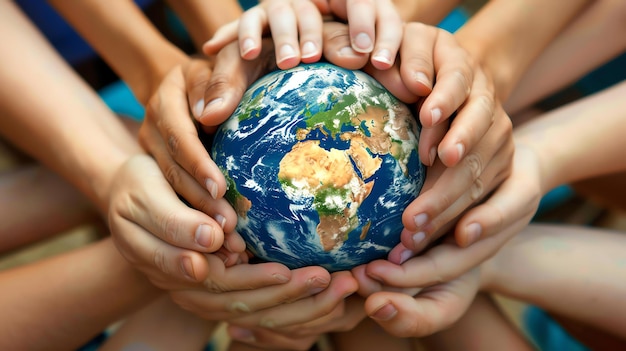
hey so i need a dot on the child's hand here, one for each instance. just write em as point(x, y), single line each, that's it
point(296, 28)
point(469, 155)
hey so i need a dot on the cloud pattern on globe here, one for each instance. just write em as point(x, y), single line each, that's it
point(320, 163)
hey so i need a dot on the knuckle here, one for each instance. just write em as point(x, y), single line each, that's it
point(487, 103)
point(172, 173)
point(170, 226)
point(474, 165)
point(159, 259)
point(477, 190)
point(463, 76)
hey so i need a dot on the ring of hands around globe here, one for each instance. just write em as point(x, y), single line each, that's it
point(320, 163)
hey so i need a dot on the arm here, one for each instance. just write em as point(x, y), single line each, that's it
point(34, 120)
point(580, 140)
point(545, 261)
point(126, 39)
point(585, 44)
point(425, 11)
point(203, 18)
point(506, 36)
point(62, 302)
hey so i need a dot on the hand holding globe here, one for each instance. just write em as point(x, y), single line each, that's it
point(321, 162)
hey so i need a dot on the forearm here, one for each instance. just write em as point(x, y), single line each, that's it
point(426, 11)
point(53, 115)
point(202, 18)
point(126, 39)
point(505, 36)
point(60, 303)
point(580, 140)
point(591, 40)
point(559, 267)
point(496, 331)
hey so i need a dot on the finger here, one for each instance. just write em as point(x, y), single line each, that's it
point(454, 76)
point(417, 67)
point(515, 201)
point(156, 209)
point(310, 30)
point(243, 290)
point(234, 242)
point(367, 285)
point(391, 79)
point(225, 35)
point(316, 306)
point(187, 186)
point(187, 150)
point(337, 48)
point(388, 35)
point(166, 266)
point(323, 6)
point(430, 137)
point(344, 318)
point(472, 122)
point(284, 27)
point(430, 311)
point(362, 24)
point(339, 8)
point(456, 189)
point(230, 78)
point(251, 25)
point(441, 263)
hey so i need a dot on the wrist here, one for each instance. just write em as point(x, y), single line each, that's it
point(144, 82)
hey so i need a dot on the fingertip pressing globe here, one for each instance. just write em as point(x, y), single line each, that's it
point(320, 163)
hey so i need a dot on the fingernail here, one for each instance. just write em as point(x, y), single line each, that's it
point(346, 51)
point(460, 149)
point(204, 235)
point(220, 219)
point(198, 108)
point(281, 278)
point(241, 334)
point(385, 312)
point(363, 43)
point(309, 49)
point(238, 306)
point(423, 78)
point(316, 285)
point(432, 155)
point(187, 267)
point(211, 105)
point(247, 46)
point(418, 239)
point(405, 255)
point(211, 186)
point(435, 115)
point(383, 56)
point(286, 52)
point(420, 219)
point(473, 231)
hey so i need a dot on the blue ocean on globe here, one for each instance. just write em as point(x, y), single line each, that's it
point(320, 163)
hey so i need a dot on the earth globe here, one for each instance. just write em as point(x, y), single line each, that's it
point(320, 163)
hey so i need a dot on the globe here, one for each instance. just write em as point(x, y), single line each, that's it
point(320, 163)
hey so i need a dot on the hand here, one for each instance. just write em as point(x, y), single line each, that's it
point(475, 151)
point(504, 214)
point(433, 309)
point(161, 245)
point(296, 28)
point(298, 325)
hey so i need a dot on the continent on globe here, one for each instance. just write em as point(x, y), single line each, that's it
point(321, 162)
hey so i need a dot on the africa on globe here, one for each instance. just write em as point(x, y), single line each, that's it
point(320, 163)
